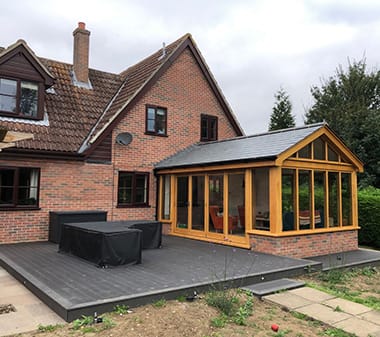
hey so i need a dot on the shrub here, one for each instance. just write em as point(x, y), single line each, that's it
point(369, 216)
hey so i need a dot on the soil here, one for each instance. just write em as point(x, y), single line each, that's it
point(6, 308)
point(193, 319)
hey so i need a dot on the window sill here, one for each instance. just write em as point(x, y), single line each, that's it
point(133, 206)
point(26, 208)
point(303, 232)
point(155, 134)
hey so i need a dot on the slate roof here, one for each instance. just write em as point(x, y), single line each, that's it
point(250, 148)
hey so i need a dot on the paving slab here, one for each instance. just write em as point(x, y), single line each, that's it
point(359, 327)
point(347, 306)
point(30, 311)
point(288, 300)
point(311, 294)
point(270, 287)
point(372, 316)
point(323, 313)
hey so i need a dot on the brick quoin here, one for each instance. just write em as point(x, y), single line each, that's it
point(76, 185)
point(302, 246)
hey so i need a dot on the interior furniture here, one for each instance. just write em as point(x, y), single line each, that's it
point(217, 219)
point(57, 219)
point(241, 211)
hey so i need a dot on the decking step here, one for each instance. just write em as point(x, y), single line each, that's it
point(270, 287)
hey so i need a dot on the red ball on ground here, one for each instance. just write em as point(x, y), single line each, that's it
point(275, 327)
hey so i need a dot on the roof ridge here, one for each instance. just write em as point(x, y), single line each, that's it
point(306, 126)
point(92, 138)
point(184, 37)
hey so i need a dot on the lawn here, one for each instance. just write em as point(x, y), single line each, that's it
point(225, 313)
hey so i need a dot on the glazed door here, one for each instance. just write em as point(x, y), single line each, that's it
point(182, 205)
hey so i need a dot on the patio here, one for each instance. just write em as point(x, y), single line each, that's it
point(73, 287)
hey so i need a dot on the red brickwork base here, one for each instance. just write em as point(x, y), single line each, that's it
point(301, 246)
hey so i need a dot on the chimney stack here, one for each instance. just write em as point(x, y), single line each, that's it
point(81, 52)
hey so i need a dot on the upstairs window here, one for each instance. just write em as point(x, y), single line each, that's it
point(19, 187)
point(19, 98)
point(209, 128)
point(156, 121)
point(133, 189)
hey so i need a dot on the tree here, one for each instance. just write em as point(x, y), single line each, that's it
point(281, 117)
point(349, 102)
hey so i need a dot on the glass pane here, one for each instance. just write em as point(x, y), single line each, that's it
point(304, 199)
point(213, 128)
point(166, 198)
point(125, 188)
point(150, 126)
point(182, 201)
point(319, 199)
point(288, 200)
point(204, 128)
point(161, 123)
point(216, 203)
point(333, 199)
point(28, 186)
point(319, 149)
point(236, 208)
point(141, 189)
point(198, 202)
point(151, 113)
point(8, 87)
point(6, 186)
point(346, 200)
point(29, 99)
point(8, 103)
point(305, 152)
point(260, 208)
point(332, 156)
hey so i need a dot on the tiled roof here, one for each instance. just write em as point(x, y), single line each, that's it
point(75, 117)
point(255, 147)
point(70, 111)
point(135, 77)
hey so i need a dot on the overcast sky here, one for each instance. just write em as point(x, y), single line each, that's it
point(252, 47)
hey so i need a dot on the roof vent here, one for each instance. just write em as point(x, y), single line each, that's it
point(124, 138)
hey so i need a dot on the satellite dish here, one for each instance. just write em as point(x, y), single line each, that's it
point(124, 138)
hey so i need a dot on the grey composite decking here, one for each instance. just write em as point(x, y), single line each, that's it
point(354, 258)
point(73, 287)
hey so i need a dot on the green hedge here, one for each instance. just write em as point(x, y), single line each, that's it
point(369, 216)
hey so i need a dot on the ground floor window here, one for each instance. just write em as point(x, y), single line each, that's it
point(19, 187)
point(133, 189)
point(313, 199)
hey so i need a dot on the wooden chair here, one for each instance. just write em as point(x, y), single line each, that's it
point(217, 220)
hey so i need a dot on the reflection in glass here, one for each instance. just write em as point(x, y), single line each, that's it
point(236, 209)
point(288, 200)
point(346, 200)
point(333, 199)
point(198, 202)
point(304, 198)
point(319, 199)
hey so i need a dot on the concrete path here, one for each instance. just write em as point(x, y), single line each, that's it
point(346, 315)
point(30, 311)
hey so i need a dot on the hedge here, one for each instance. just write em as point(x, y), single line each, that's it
point(369, 217)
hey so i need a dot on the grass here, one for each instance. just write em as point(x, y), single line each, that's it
point(49, 328)
point(86, 324)
point(160, 303)
point(230, 307)
point(337, 282)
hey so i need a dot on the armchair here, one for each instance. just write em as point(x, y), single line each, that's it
point(217, 220)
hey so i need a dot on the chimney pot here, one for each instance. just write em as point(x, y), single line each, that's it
point(81, 25)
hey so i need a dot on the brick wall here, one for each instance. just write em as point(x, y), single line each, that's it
point(301, 246)
point(64, 185)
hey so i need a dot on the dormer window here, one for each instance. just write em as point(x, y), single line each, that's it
point(19, 98)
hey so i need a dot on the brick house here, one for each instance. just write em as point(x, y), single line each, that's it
point(159, 141)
